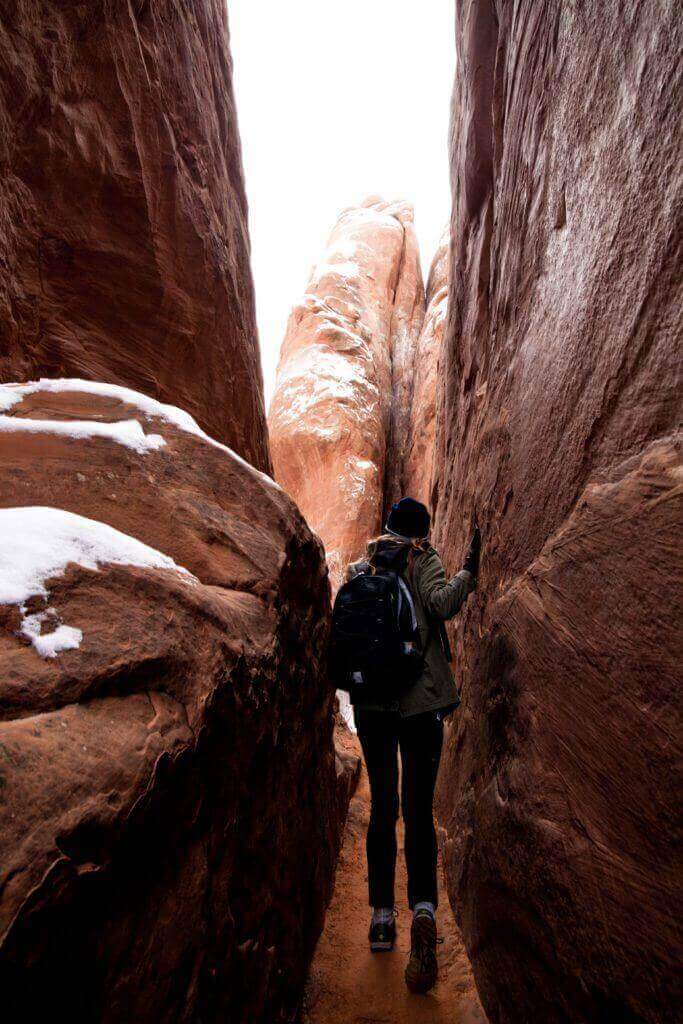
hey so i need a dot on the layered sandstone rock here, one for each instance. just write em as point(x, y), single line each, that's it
point(406, 323)
point(169, 811)
point(427, 377)
point(563, 370)
point(123, 238)
point(349, 345)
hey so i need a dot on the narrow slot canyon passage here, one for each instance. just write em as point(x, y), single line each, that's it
point(352, 428)
point(183, 808)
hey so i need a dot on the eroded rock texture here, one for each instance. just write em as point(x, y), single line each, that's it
point(559, 787)
point(418, 457)
point(349, 346)
point(123, 238)
point(169, 811)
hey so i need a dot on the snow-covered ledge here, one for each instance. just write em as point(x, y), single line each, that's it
point(127, 432)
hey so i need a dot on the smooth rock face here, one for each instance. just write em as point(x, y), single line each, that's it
point(349, 345)
point(427, 378)
point(123, 237)
point(170, 812)
point(406, 324)
point(562, 357)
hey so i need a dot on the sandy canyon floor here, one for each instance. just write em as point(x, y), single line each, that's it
point(350, 985)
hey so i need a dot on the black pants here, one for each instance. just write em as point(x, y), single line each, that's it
point(419, 738)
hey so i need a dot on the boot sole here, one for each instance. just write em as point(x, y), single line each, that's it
point(420, 989)
point(418, 982)
point(381, 947)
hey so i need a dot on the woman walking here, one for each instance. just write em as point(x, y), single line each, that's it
point(409, 718)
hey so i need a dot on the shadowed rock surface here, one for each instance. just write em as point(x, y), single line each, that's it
point(123, 221)
point(427, 380)
point(170, 812)
point(348, 349)
point(562, 360)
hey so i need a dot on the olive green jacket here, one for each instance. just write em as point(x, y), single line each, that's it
point(435, 598)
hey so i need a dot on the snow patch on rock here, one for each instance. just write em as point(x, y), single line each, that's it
point(49, 645)
point(37, 543)
point(347, 269)
point(125, 432)
point(349, 248)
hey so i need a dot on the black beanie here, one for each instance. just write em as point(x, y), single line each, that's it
point(408, 517)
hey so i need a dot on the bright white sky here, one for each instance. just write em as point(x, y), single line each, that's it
point(336, 101)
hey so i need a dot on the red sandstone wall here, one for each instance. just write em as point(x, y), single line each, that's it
point(123, 222)
point(558, 436)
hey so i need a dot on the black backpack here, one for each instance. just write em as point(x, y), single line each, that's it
point(375, 642)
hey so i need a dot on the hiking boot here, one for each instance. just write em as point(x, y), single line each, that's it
point(382, 936)
point(422, 969)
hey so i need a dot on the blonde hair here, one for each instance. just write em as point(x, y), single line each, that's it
point(417, 544)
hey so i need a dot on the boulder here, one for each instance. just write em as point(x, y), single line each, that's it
point(427, 376)
point(348, 348)
point(558, 436)
point(170, 811)
point(123, 219)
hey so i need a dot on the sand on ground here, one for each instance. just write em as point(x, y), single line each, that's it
point(350, 985)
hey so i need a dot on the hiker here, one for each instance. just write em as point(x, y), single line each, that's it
point(400, 698)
